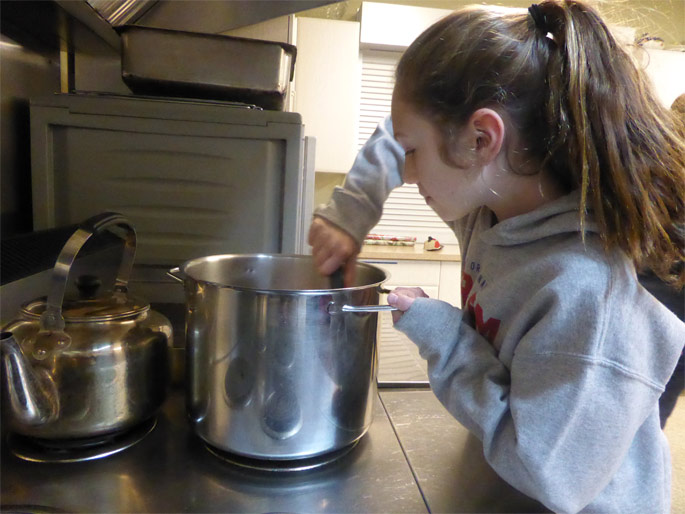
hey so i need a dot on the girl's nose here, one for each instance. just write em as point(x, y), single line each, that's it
point(409, 176)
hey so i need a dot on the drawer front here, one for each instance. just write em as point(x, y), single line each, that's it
point(450, 283)
point(409, 273)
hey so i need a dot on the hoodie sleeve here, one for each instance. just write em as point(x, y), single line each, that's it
point(554, 425)
point(357, 206)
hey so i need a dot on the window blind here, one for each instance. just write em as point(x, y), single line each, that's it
point(405, 213)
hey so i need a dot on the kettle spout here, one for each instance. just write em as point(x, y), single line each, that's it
point(31, 394)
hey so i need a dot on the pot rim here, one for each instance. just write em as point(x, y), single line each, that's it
point(308, 292)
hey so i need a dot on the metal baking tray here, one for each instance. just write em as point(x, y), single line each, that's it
point(165, 62)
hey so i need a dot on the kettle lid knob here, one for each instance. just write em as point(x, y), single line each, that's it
point(88, 286)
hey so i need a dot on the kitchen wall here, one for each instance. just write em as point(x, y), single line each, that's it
point(35, 35)
point(661, 18)
point(324, 185)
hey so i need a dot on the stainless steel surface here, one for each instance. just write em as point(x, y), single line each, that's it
point(205, 16)
point(250, 189)
point(414, 458)
point(29, 396)
point(72, 450)
point(163, 62)
point(96, 368)
point(283, 466)
point(447, 459)
point(211, 16)
point(172, 471)
point(270, 373)
point(120, 12)
point(367, 308)
point(52, 319)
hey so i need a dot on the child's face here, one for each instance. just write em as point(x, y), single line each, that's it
point(450, 191)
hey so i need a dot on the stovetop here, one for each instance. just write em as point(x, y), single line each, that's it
point(414, 458)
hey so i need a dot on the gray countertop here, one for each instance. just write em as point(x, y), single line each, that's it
point(447, 460)
point(415, 458)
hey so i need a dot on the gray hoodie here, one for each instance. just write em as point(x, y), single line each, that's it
point(557, 359)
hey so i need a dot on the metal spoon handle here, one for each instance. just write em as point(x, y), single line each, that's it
point(337, 279)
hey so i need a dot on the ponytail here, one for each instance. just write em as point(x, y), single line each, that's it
point(621, 147)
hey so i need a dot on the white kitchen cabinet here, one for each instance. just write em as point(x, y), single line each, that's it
point(450, 282)
point(327, 85)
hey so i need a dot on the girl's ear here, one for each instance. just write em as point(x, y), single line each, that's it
point(486, 133)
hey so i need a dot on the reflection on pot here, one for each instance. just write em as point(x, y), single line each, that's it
point(239, 382)
point(282, 415)
point(351, 366)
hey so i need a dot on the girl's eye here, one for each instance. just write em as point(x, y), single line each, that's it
point(408, 153)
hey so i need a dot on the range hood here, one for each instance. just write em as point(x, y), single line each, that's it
point(206, 16)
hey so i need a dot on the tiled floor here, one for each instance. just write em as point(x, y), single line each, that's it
point(675, 431)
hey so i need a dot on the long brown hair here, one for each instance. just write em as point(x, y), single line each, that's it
point(579, 106)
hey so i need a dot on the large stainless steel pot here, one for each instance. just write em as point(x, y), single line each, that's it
point(275, 368)
point(88, 366)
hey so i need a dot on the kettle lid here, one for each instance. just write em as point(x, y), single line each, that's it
point(87, 310)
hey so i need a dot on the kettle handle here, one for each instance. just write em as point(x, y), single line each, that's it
point(52, 319)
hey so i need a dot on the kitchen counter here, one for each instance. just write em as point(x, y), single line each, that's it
point(414, 458)
point(416, 252)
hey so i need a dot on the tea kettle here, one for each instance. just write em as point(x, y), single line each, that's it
point(82, 368)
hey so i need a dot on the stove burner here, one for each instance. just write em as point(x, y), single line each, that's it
point(78, 450)
point(282, 466)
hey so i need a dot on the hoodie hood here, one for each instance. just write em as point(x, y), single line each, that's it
point(560, 216)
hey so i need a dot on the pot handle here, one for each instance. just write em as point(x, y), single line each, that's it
point(333, 308)
point(176, 274)
point(336, 309)
point(52, 319)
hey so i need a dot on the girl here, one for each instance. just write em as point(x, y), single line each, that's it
point(532, 134)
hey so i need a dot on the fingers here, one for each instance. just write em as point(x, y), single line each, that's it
point(328, 263)
point(403, 298)
point(351, 271)
point(332, 248)
point(400, 301)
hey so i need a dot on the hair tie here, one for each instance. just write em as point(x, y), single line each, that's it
point(539, 18)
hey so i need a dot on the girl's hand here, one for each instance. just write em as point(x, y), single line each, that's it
point(402, 298)
point(332, 248)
